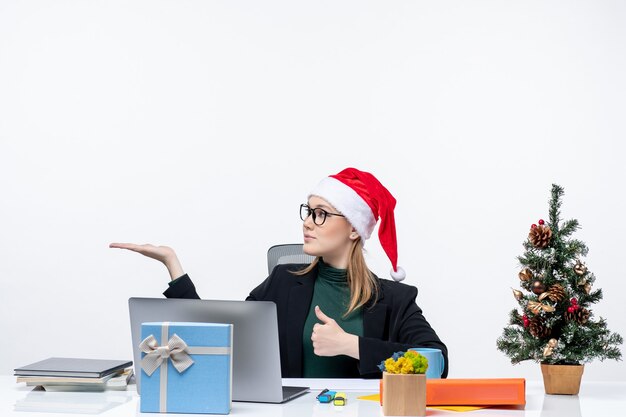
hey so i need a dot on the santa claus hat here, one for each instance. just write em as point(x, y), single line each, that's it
point(363, 199)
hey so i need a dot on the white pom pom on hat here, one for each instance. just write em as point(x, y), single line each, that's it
point(360, 197)
point(399, 274)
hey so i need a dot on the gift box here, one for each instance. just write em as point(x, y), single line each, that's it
point(473, 392)
point(186, 368)
point(480, 391)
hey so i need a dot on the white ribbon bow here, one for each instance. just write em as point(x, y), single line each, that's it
point(176, 350)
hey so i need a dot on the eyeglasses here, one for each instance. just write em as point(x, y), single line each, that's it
point(319, 215)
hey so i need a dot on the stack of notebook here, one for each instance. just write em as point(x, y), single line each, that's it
point(76, 374)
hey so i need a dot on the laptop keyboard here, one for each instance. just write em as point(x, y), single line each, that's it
point(289, 392)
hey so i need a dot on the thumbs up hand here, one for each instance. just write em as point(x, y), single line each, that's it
point(329, 339)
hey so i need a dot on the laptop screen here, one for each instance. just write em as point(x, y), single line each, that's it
point(256, 356)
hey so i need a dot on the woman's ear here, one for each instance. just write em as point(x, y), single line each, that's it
point(354, 234)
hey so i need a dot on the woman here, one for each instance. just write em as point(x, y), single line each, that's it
point(335, 317)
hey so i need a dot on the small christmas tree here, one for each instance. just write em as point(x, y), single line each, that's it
point(556, 324)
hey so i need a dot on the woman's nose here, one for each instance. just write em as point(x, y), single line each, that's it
point(308, 222)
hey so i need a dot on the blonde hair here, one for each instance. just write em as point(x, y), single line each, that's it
point(363, 285)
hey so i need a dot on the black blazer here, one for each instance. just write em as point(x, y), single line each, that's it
point(393, 323)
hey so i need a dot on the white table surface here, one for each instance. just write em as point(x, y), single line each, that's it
point(596, 399)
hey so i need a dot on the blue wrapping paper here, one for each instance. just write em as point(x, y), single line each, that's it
point(205, 387)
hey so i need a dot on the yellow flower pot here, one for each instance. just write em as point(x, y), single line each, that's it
point(404, 394)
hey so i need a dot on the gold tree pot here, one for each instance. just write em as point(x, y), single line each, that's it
point(562, 379)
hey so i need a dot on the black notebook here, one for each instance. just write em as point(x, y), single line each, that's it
point(73, 367)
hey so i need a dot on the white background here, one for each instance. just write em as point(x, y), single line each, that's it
point(203, 124)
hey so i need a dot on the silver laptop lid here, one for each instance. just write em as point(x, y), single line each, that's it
point(256, 355)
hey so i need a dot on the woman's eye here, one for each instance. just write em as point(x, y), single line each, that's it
point(319, 212)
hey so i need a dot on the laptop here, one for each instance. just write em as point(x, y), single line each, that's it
point(256, 355)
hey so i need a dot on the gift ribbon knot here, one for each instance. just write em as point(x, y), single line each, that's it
point(175, 350)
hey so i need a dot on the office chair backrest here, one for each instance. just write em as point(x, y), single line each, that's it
point(291, 253)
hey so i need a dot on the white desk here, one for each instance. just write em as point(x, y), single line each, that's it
point(596, 399)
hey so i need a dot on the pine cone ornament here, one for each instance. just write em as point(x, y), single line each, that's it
point(540, 236)
point(580, 315)
point(556, 293)
point(538, 328)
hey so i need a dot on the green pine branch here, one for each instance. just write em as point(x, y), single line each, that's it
point(569, 227)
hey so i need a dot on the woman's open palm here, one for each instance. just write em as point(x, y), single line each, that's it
point(163, 254)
